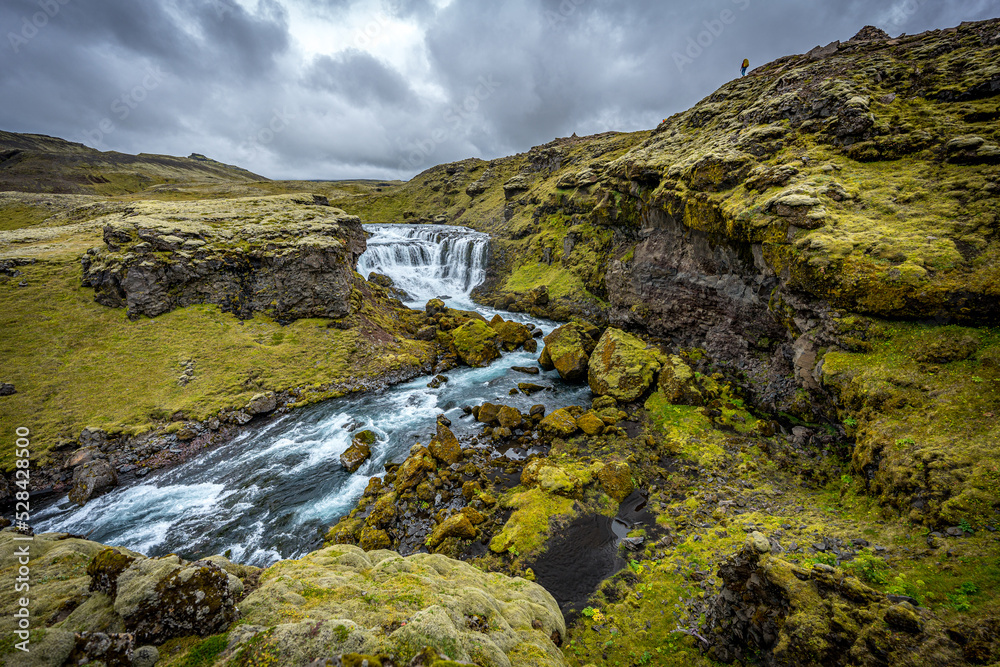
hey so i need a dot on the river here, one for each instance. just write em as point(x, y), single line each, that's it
point(270, 493)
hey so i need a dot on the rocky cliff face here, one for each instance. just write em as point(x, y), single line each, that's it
point(287, 256)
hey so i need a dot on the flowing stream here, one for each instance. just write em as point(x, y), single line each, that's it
point(269, 493)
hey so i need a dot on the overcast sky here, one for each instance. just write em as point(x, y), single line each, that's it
point(331, 89)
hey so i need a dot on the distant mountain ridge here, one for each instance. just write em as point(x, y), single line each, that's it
point(40, 163)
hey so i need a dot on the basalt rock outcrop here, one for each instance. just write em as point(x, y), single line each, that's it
point(288, 256)
point(783, 614)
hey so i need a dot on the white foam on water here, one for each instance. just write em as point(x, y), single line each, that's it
point(336, 503)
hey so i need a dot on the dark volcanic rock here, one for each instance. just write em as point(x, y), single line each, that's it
point(91, 479)
point(284, 256)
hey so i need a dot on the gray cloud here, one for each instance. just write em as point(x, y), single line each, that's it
point(235, 79)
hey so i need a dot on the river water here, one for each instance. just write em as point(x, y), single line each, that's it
point(270, 493)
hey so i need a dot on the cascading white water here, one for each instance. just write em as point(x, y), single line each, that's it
point(265, 495)
point(427, 261)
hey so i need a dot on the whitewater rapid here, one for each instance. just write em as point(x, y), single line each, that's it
point(272, 491)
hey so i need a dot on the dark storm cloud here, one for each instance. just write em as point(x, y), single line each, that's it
point(359, 76)
point(235, 80)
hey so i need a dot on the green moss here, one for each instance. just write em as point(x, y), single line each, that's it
point(206, 652)
point(527, 529)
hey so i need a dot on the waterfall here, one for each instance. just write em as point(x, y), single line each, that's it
point(427, 261)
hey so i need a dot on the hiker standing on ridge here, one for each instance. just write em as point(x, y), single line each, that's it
point(746, 63)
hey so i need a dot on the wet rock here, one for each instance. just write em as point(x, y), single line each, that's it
point(559, 422)
point(356, 454)
point(567, 350)
point(529, 388)
point(537, 410)
point(476, 343)
point(92, 479)
point(444, 446)
point(525, 369)
point(512, 334)
point(488, 413)
point(509, 417)
point(414, 469)
point(437, 381)
point(622, 366)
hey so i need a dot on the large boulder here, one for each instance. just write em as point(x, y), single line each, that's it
point(622, 366)
point(381, 603)
point(164, 598)
point(262, 403)
point(567, 350)
point(91, 479)
point(682, 386)
point(559, 422)
point(512, 334)
point(444, 446)
point(476, 343)
point(355, 455)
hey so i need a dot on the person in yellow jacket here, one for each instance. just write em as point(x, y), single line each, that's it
point(746, 63)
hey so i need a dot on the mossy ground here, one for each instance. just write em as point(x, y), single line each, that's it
point(644, 615)
point(924, 405)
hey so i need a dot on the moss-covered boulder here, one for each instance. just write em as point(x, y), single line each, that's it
point(414, 469)
point(355, 455)
point(622, 366)
point(457, 525)
point(567, 350)
point(343, 600)
point(163, 598)
point(92, 479)
point(509, 417)
point(615, 478)
point(682, 386)
point(476, 343)
point(444, 446)
point(512, 334)
point(559, 422)
point(590, 423)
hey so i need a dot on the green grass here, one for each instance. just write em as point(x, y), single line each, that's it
point(19, 216)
